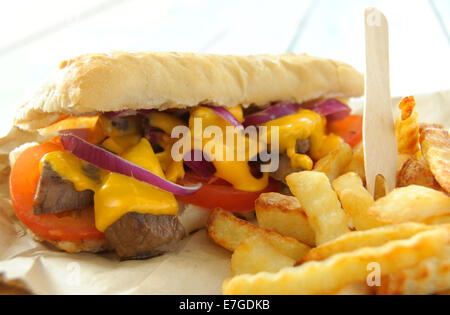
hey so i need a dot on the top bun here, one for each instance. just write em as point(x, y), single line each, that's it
point(145, 80)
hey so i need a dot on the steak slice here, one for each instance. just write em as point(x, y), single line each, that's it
point(284, 169)
point(141, 236)
point(55, 194)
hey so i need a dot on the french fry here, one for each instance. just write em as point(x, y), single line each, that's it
point(334, 163)
point(256, 254)
point(407, 128)
point(372, 238)
point(355, 200)
point(356, 164)
point(320, 203)
point(415, 172)
point(380, 187)
point(431, 276)
point(426, 126)
point(402, 159)
point(442, 219)
point(435, 145)
point(410, 204)
point(360, 288)
point(284, 215)
point(334, 274)
point(229, 232)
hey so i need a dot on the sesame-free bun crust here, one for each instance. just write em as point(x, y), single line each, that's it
point(122, 80)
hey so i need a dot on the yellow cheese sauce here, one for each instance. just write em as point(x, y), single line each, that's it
point(70, 167)
point(166, 122)
point(121, 194)
point(120, 144)
point(116, 194)
point(235, 172)
point(303, 125)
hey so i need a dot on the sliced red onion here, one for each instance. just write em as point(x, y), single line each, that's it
point(120, 114)
point(274, 112)
point(202, 167)
point(146, 111)
point(114, 163)
point(155, 137)
point(225, 114)
point(332, 109)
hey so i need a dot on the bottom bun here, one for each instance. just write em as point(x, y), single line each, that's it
point(191, 217)
point(89, 246)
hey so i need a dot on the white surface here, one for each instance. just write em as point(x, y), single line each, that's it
point(36, 35)
point(419, 49)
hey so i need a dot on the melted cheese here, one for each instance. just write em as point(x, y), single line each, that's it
point(303, 125)
point(71, 168)
point(164, 121)
point(175, 171)
point(118, 127)
point(116, 194)
point(237, 173)
point(120, 144)
point(121, 194)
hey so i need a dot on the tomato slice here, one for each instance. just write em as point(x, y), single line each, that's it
point(69, 226)
point(349, 129)
point(219, 194)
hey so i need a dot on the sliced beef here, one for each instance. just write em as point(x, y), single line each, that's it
point(55, 194)
point(303, 146)
point(140, 236)
point(285, 169)
point(92, 172)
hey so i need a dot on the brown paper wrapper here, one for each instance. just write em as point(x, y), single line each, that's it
point(198, 267)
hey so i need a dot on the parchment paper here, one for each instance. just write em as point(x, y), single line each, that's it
point(198, 267)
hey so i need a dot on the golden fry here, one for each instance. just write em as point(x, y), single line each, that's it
point(371, 238)
point(407, 128)
point(380, 187)
point(335, 162)
point(355, 200)
point(410, 204)
point(426, 126)
point(438, 220)
point(356, 165)
point(415, 172)
point(359, 288)
point(339, 271)
point(284, 215)
point(256, 254)
point(402, 159)
point(431, 276)
point(436, 150)
point(320, 203)
point(229, 232)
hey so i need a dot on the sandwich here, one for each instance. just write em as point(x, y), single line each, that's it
point(120, 152)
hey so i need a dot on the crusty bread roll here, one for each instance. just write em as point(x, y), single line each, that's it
point(131, 81)
point(121, 80)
